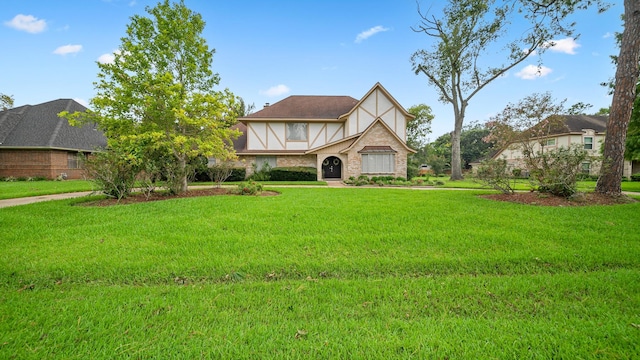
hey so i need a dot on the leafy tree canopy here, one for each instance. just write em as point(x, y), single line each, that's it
point(6, 101)
point(157, 96)
point(420, 126)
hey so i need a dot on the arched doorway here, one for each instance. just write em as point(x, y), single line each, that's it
point(332, 168)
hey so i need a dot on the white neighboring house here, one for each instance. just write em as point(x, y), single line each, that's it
point(585, 130)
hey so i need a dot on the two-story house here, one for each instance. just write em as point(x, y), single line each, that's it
point(587, 131)
point(338, 135)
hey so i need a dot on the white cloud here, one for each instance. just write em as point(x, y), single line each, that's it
point(27, 23)
point(607, 35)
point(67, 49)
point(531, 72)
point(567, 46)
point(369, 33)
point(277, 90)
point(106, 58)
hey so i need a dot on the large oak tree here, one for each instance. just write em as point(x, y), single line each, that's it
point(468, 30)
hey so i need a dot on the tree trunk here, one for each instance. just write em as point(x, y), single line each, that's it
point(624, 95)
point(183, 174)
point(456, 163)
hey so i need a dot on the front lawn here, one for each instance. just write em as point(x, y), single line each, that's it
point(320, 273)
point(18, 189)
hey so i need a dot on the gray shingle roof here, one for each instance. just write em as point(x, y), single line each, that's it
point(306, 107)
point(38, 126)
point(576, 123)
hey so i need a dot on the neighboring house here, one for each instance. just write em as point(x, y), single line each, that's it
point(585, 130)
point(36, 142)
point(338, 135)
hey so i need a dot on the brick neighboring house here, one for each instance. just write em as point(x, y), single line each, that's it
point(338, 135)
point(585, 130)
point(35, 142)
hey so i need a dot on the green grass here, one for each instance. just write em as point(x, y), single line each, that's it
point(320, 273)
point(18, 189)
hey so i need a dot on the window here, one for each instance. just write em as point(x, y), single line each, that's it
point(211, 162)
point(550, 142)
point(297, 131)
point(588, 142)
point(72, 161)
point(586, 168)
point(268, 160)
point(378, 163)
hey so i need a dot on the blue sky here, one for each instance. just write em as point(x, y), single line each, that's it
point(268, 50)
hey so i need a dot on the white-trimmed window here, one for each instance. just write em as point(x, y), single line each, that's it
point(588, 142)
point(297, 132)
point(586, 167)
point(550, 142)
point(269, 160)
point(378, 163)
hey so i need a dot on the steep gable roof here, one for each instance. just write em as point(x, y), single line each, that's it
point(367, 130)
point(375, 87)
point(39, 126)
point(308, 107)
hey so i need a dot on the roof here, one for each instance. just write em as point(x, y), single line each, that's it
point(306, 107)
point(39, 126)
point(374, 149)
point(577, 123)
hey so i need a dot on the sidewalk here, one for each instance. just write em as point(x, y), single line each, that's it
point(35, 199)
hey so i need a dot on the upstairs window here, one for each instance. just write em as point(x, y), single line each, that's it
point(588, 142)
point(297, 131)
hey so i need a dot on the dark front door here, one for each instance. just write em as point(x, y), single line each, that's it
point(332, 168)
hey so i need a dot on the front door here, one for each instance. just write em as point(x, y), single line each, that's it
point(332, 168)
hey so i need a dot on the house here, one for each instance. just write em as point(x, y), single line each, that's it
point(36, 142)
point(587, 131)
point(338, 135)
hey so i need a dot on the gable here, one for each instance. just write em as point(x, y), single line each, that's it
point(378, 104)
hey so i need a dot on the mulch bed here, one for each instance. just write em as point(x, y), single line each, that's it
point(582, 199)
point(135, 198)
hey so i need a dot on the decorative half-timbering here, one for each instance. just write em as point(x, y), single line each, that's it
point(339, 135)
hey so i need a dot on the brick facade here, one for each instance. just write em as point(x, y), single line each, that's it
point(37, 163)
point(376, 136)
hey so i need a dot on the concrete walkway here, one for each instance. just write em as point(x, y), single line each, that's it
point(41, 198)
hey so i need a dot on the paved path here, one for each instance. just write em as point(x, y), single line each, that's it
point(35, 199)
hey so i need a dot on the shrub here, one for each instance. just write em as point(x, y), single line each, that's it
point(494, 173)
point(517, 173)
point(249, 188)
point(113, 171)
point(296, 173)
point(412, 171)
point(262, 174)
point(635, 177)
point(556, 171)
point(439, 182)
point(237, 174)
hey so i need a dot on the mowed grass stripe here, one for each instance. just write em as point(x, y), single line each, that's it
point(342, 233)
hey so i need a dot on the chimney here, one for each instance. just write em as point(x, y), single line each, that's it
point(266, 105)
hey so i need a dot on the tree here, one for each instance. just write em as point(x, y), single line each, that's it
point(157, 96)
point(6, 102)
point(624, 95)
point(471, 28)
point(420, 126)
point(525, 126)
point(632, 146)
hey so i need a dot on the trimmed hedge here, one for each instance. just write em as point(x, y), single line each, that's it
point(296, 173)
